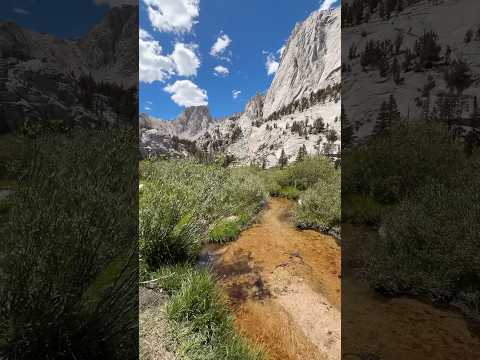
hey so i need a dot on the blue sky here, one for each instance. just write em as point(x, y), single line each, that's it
point(177, 59)
point(66, 19)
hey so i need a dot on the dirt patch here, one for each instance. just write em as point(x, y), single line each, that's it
point(284, 286)
point(153, 326)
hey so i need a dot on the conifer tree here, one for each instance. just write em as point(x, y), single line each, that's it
point(347, 135)
point(396, 71)
point(393, 112)
point(302, 153)
point(382, 124)
point(283, 160)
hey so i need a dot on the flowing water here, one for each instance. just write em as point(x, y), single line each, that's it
point(283, 285)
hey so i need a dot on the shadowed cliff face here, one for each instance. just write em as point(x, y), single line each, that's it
point(49, 78)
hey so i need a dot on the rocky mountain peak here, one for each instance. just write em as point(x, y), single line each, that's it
point(193, 121)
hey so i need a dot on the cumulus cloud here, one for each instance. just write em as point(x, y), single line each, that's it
point(220, 46)
point(326, 4)
point(221, 70)
point(156, 66)
point(236, 93)
point(114, 3)
point(271, 64)
point(153, 65)
point(185, 59)
point(186, 93)
point(176, 16)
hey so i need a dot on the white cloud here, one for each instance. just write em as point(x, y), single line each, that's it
point(326, 4)
point(114, 3)
point(147, 108)
point(236, 93)
point(221, 70)
point(185, 59)
point(186, 93)
point(153, 66)
point(271, 64)
point(149, 102)
point(20, 11)
point(220, 45)
point(173, 15)
point(281, 50)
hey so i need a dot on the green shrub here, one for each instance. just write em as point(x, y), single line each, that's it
point(289, 192)
point(306, 173)
point(225, 230)
point(320, 206)
point(359, 209)
point(392, 166)
point(430, 244)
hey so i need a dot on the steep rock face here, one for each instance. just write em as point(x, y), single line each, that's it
point(310, 61)
point(254, 108)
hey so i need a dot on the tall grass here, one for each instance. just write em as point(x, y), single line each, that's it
point(69, 253)
point(201, 324)
point(184, 204)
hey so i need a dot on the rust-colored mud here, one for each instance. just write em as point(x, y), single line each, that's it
point(403, 328)
point(284, 286)
point(397, 328)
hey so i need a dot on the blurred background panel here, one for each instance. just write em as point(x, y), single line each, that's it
point(68, 179)
point(410, 131)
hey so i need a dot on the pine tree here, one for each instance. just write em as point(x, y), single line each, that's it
point(398, 43)
point(283, 160)
point(382, 124)
point(319, 125)
point(347, 134)
point(458, 76)
point(396, 71)
point(381, 9)
point(264, 163)
point(302, 153)
point(393, 112)
point(426, 93)
point(383, 65)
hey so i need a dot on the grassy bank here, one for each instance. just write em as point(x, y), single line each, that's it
point(315, 183)
point(183, 206)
